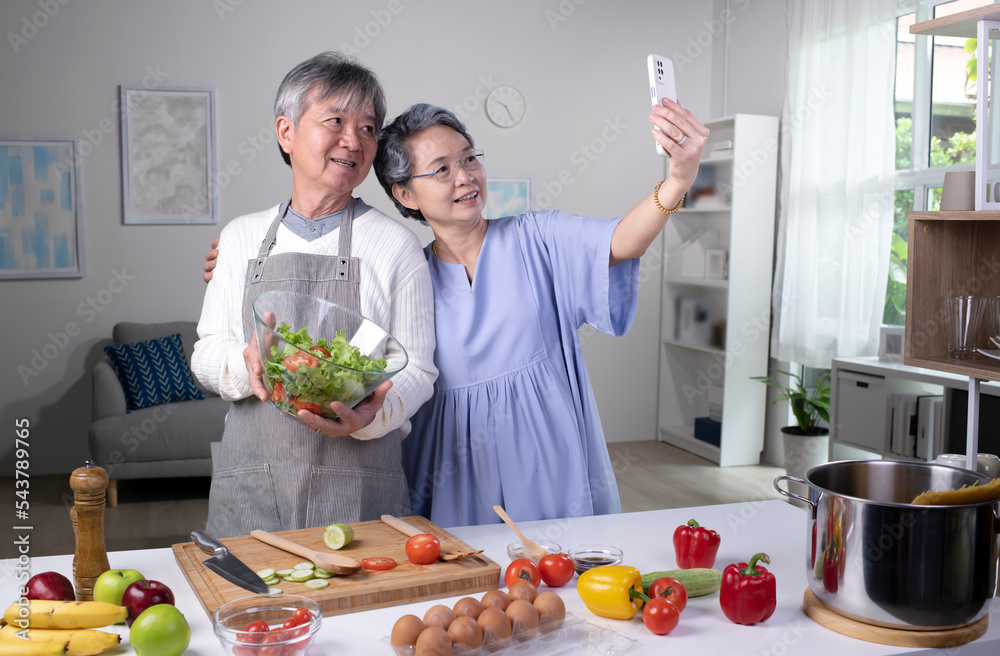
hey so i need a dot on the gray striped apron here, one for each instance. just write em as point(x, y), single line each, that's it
point(276, 474)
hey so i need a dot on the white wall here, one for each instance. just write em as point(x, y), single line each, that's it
point(579, 63)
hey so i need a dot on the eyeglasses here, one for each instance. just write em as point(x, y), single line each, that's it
point(446, 171)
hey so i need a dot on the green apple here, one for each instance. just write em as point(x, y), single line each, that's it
point(110, 586)
point(160, 630)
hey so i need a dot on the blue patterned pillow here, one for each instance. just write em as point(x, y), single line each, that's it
point(153, 372)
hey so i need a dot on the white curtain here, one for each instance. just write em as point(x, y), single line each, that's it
point(836, 197)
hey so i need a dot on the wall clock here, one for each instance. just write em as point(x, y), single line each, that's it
point(505, 106)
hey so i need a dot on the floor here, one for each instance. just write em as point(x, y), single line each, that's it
point(161, 512)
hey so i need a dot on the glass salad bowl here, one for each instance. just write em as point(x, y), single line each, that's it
point(315, 352)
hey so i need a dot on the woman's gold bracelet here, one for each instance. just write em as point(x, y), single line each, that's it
point(656, 199)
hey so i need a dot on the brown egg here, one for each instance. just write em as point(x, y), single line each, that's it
point(468, 607)
point(466, 631)
point(521, 610)
point(496, 599)
point(550, 604)
point(439, 615)
point(433, 641)
point(494, 619)
point(522, 590)
point(405, 631)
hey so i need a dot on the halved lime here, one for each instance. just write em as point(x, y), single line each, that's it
point(338, 536)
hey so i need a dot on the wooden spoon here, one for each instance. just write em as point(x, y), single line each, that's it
point(411, 530)
point(333, 563)
point(531, 550)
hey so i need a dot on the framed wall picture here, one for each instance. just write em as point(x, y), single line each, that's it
point(40, 231)
point(168, 155)
point(507, 197)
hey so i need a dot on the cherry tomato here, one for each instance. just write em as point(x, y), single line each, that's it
point(270, 649)
point(319, 349)
point(660, 615)
point(556, 569)
point(302, 615)
point(672, 589)
point(293, 361)
point(278, 393)
point(423, 549)
point(522, 569)
point(379, 563)
point(257, 631)
point(299, 404)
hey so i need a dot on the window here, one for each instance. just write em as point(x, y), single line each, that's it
point(935, 104)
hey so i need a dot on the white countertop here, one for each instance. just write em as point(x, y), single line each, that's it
point(772, 526)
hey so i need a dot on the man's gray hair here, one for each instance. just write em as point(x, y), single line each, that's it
point(394, 161)
point(322, 77)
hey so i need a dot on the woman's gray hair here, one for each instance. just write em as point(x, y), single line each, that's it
point(394, 161)
point(330, 74)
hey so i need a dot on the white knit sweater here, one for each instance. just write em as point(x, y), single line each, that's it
point(395, 293)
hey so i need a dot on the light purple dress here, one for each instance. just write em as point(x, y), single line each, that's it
point(513, 419)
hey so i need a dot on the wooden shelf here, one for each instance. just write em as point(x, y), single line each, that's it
point(950, 254)
point(955, 215)
point(984, 369)
point(962, 24)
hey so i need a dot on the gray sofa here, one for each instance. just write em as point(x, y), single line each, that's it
point(162, 441)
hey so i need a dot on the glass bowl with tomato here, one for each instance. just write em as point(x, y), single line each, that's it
point(267, 624)
point(314, 352)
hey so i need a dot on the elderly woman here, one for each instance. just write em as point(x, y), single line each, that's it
point(513, 419)
point(276, 473)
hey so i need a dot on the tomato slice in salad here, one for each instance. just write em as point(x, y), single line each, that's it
point(299, 404)
point(322, 351)
point(293, 361)
point(278, 393)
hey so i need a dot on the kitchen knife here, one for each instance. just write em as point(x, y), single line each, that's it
point(226, 564)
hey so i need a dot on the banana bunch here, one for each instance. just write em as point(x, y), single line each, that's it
point(60, 627)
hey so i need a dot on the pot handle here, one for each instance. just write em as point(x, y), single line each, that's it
point(790, 495)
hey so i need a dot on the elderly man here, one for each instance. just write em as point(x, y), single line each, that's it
point(275, 473)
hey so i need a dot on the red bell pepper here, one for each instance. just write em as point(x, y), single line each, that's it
point(748, 594)
point(695, 545)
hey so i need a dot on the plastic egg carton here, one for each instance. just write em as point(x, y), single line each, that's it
point(571, 636)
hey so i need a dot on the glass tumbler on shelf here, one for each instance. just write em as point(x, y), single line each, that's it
point(965, 315)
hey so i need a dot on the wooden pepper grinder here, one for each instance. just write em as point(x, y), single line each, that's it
point(90, 559)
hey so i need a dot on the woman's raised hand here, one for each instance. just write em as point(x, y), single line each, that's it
point(683, 136)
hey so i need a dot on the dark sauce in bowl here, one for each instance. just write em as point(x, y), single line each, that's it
point(583, 563)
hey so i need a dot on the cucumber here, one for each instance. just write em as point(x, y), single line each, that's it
point(697, 581)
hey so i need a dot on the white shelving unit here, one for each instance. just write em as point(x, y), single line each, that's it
point(742, 216)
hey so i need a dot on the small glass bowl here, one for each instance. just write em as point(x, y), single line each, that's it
point(230, 620)
point(589, 556)
point(515, 550)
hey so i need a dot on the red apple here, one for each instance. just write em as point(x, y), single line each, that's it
point(52, 586)
point(140, 595)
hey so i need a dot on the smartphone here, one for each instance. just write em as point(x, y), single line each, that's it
point(661, 84)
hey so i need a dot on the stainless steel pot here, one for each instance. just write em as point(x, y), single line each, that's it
point(875, 557)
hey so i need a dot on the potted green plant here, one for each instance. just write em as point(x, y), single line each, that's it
point(807, 443)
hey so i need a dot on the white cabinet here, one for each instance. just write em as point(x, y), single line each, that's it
point(715, 313)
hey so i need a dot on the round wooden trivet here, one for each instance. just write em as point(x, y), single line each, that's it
point(826, 616)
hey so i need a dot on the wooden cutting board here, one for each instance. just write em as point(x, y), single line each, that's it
point(365, 590)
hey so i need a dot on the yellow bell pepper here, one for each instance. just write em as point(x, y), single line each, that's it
point(613, 591)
